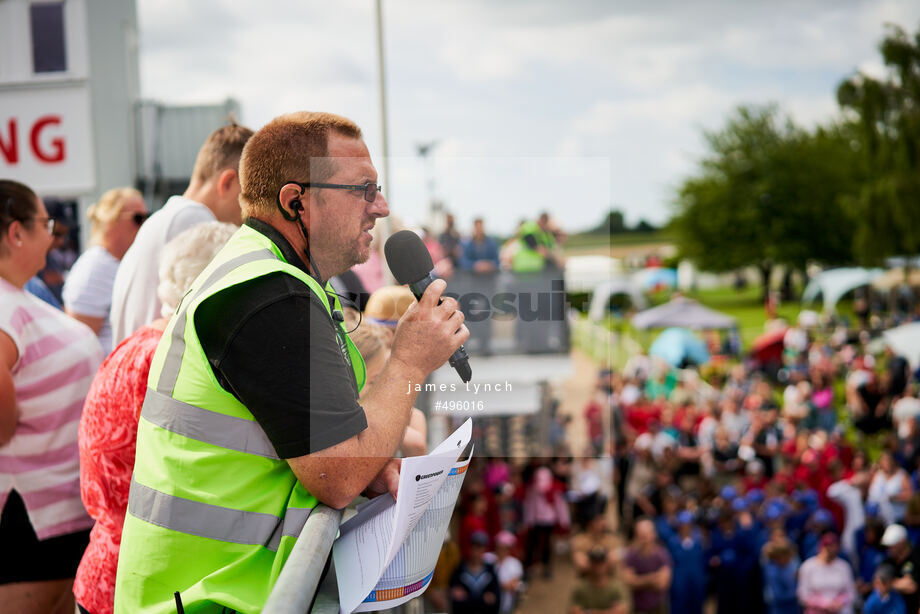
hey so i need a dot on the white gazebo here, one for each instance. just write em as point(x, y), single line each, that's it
point(686, 313)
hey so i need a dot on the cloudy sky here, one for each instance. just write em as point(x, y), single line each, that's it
point(571, 107)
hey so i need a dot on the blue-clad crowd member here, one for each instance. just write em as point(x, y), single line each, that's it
point(821, 522)
point(688, 584)
point(871, 552)
point(780, 568)
point(884, 599)
point(733, 559)
point(479, 253)
point(806, 503)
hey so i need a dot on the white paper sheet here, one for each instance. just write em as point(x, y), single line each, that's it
point(385, 554)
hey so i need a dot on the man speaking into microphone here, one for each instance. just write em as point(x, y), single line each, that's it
point(252, 415)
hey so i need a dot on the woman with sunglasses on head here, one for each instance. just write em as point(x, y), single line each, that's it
point(115, 220)
point(47, 361)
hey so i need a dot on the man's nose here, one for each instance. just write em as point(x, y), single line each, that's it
point(379, 208)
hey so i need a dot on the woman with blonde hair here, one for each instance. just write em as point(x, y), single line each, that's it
point(87, 293)
point(47, 361)
point(387, 304)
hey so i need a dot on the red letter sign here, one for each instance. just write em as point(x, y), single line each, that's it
point(10, 149)
point(57, 143)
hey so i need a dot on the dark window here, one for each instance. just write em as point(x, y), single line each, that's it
point(48, 51)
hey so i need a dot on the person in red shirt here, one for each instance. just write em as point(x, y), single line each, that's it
point(475, 520)
point(108, 425)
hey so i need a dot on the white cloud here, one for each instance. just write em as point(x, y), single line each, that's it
point(631, 82)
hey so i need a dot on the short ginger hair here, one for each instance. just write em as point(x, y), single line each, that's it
point(221, 150)
point(292, 147)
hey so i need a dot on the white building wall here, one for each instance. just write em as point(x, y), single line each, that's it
point(70, 134)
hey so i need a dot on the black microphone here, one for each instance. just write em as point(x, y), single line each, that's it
point(410, 263)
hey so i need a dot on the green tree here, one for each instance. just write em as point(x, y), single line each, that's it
point(768, 193)
point(887, 112)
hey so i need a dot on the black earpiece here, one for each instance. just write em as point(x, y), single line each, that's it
point(338, 316)
point(296, 205)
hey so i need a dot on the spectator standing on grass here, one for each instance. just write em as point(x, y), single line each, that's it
point(647, 569)
point(510, 571)
point(870, 552)
point(688, 586)
point(780, 566)
point(905, 559)
point(890, 488)
point(826, 581)
point(595, 534)
point(544, 510)
point(884, 599)
point(475, 520)
point(597, 593)
point(474, 587)
point(87, 293)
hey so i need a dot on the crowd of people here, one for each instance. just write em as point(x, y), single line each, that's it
point(515, 520)
point(534, 246)
point(783, 490)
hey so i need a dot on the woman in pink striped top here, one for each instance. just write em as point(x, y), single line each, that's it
point(47, 361)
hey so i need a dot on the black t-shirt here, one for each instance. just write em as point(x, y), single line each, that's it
point(271, 344)
point(898, 369)
point(908, 567)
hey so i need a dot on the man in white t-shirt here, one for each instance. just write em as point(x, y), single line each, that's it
point(212, 194)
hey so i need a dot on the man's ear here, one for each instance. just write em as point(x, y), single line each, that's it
point(294, 204)
point(226, 180)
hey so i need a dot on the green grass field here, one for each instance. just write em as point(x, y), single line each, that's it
point(633, 238)
point(745, 306)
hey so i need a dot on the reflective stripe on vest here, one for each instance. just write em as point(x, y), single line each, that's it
point(205, 425)
point(213, 521)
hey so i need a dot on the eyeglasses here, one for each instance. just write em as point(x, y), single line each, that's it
point(49, 222)
point(370, 189)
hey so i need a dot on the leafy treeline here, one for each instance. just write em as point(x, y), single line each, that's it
point(615, 224)
point(770, 192)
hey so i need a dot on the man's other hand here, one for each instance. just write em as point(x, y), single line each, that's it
point(385, 481)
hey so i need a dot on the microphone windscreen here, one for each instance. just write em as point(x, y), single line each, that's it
point(407, 257)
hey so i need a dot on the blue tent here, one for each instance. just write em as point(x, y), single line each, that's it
point(679, 346)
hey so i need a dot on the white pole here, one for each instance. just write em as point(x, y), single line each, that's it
point(381, 81)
